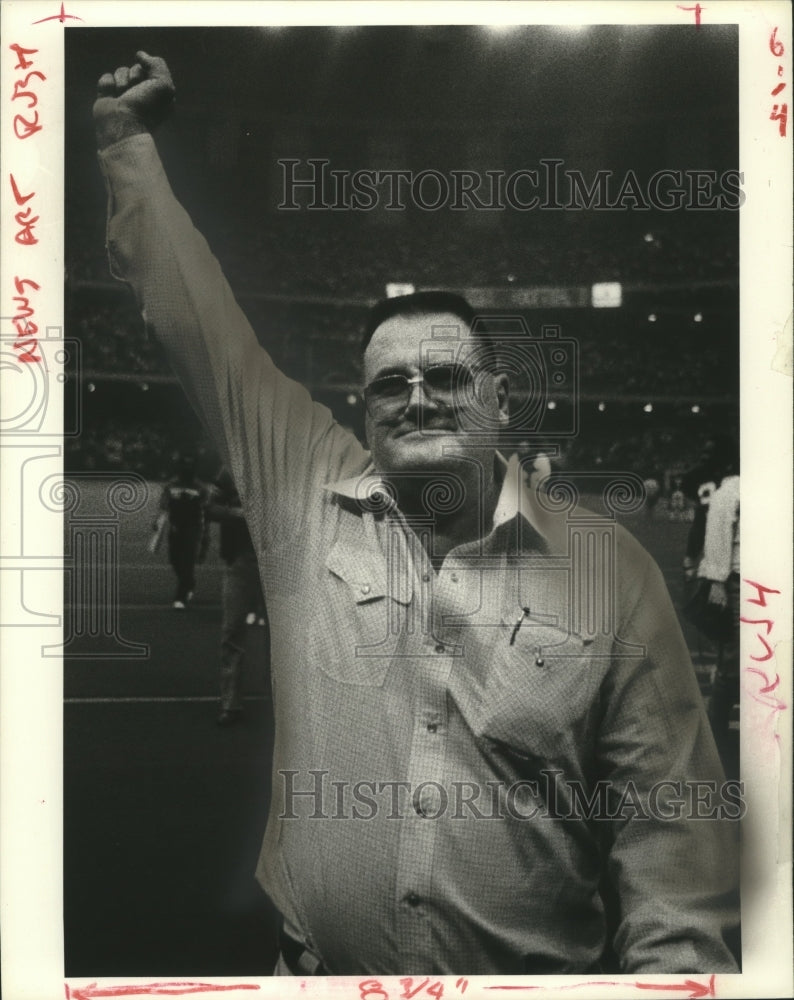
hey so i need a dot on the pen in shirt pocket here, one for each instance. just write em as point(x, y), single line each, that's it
point(517, 626)
point(539, 661)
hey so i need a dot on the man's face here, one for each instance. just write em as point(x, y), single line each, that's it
point(425, 434)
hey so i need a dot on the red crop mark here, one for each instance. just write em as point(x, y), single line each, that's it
point(691, 987)
point(59, 17)
point(695, 988)
point(93, 991)
point(697, 9)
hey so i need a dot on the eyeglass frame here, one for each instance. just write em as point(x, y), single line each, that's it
point(420, 379)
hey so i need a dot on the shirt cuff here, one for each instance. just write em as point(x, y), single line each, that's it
point(132, 165)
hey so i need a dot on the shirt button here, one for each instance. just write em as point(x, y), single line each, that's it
point(412, 899)
point(365, 588)
point(432, 727)
point(454, 577)
point(440, 647)
point(426, 577)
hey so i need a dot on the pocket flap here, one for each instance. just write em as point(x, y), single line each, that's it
point(369, 575)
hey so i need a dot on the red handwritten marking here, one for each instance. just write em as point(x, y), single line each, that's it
point(372, 987)
point(769, 687)
point(21, 53)
point(26, 330)
point(697, 9)
point(769, 651)
point(779, 111)
point(691, 986)
point(26, 222)
point(25, 128)
point(462, 985)
point(781, 116)
point(33, 99)
point(408, 991)
point(59, 17)
point(19, 198)
point(150, 989)
point(762, 590)
point(759, 621)
point(764, 695)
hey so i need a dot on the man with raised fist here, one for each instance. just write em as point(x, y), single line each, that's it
point(485, 745)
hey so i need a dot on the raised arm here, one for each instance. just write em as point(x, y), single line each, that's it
point(278, 444)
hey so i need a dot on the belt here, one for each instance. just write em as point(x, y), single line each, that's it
point(298, 958)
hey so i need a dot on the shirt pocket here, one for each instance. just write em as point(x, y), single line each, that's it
point(534, 696)
point(365, 609)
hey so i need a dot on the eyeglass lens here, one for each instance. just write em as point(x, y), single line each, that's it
point(392, 392)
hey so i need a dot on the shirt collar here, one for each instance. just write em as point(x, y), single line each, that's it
point(515, 498)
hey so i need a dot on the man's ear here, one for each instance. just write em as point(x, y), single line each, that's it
point(502, 386)
point(366, 428)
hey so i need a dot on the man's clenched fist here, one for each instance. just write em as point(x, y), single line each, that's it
point(133, 99)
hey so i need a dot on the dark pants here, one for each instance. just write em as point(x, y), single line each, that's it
point(241, 593)
point(182, 554)
point(725, 691)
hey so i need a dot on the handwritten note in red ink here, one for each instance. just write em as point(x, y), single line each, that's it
point(27, 123)
point(780, 110)
point(765, 684)
point(411, 988)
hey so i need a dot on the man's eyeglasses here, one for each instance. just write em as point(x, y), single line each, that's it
point(388, 395)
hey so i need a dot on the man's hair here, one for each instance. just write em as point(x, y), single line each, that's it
point(425, 303)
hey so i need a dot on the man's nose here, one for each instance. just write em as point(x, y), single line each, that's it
point(418, 397)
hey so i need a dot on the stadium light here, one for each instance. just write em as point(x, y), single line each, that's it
point(606, 295)
point(395, 288)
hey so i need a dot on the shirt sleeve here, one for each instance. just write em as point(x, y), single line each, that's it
point(277, 443)
point(673, 844)
point(718, 544)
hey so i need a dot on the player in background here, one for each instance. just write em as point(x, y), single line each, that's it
point(241, 594)
point(720, 566)
point(183, 505)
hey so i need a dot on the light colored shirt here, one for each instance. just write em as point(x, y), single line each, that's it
point(430, 735)
point(721, 545)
